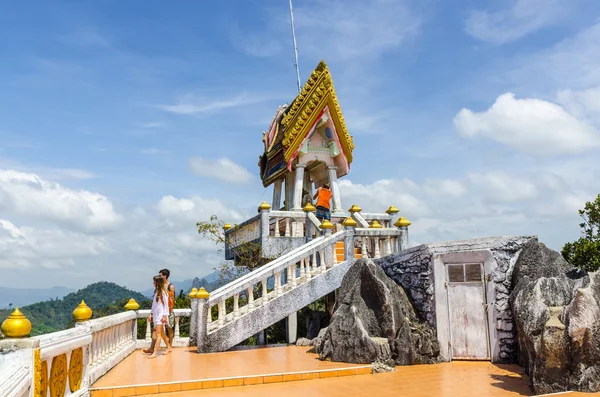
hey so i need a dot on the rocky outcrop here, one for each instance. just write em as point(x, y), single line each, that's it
point(556, 309)
point(374, 321)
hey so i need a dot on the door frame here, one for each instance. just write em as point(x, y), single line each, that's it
point(441, 298)
point(482, 284)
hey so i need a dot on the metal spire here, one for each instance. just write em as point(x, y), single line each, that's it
point(295, 48)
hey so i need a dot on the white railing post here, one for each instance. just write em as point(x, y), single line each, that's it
point(278, 284)
point(363, 248)
point(250, 298)
point(287, 227)
point(349, 225)
point(194, 317)
point(402, 224)
point(221, 317)
point(293, 271)
point(277, 234)
point(265, 293)
point(377, 254)
point(236, 306)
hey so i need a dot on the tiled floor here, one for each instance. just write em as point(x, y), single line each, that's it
point(184, 364)
point(455, 379)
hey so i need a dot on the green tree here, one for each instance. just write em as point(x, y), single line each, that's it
point(585, 252)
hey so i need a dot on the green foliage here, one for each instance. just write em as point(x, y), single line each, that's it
point(585, 252)
point(57, 314)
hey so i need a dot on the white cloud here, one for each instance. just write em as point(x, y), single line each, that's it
point(584, 104)
point(152, 151)
point(344, 30)
point(444, 187)
point(517, 20)
point(223, 169)
point(28, 194)
point(191, 104)
point(500, 187)
point(529, 125)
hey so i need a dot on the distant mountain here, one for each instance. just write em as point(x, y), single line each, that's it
point(209, 283)
point(57, 314)
point(24, 296)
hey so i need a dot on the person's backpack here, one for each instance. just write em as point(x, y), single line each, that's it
point(171, 297)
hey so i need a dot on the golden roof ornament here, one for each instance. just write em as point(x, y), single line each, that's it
point(355, 208)
point(82, 312)
point(202, 294)
point(309, 208)
point(227, 226)
point(192, 293)
point(375, 225)
point(264, 206)
point(392, 210)
point(349, 222)
point(402, 222)
point(326, 224)
point(132, 305)
point(16, 325)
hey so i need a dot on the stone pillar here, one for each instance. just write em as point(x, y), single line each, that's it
point(308, 209)
point(349, 225)
point(298, 185)
point(264, 210)
point(335, 190)
point(193, 317)
point(202, 323)
point(277, 194)
point(289, 190)
point(402, 224)
point(291, 328)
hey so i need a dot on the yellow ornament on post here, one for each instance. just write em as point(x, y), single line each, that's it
point(402, 222)
point(392, 210)
point(375, 225)
point(192, 294)
point(16, 325)
point(355, 208)
point(132, 305)
point(326, 224)
point(202, 294)
point(82, 312)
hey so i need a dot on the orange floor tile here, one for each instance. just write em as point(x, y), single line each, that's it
point(184, 364)
point(450, 379)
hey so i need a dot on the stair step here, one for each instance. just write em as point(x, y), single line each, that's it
point(216, 383)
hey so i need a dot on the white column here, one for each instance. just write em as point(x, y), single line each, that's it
point(335, 190)
point(298, 185)
point(277, 195)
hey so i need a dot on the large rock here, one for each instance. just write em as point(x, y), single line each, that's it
point(556, 312)
point(373, 320)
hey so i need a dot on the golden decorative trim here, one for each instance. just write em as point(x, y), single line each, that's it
point(375, 225)
point(192, 293)
point(309, 208)
point(264, 206)
point(82, 312)
point(58, 376)
point(317, 93)
point(132, 305)
point(202, 294)
point(227, 226)
point(76, 369)
point(326, 224)
point(349, 222)
point(354, 208)
point(16, 325)
point(401, 222)
point(392, 210)
point(40, 375)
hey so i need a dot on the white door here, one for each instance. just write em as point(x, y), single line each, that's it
point(467, 312)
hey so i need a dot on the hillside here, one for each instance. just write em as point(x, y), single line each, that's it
point(56, 314)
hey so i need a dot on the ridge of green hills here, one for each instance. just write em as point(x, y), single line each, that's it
point(56, 314)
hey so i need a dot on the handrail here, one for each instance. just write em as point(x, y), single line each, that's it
point(383, 232)
point(277, 264)
point(287, 214)
point(251, 274)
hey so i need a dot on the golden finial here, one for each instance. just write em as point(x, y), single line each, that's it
point(16, 325)
point(355, 208)
point(82, 312)
point(392, 210)
point(349, 222)
point(192, 293)
point(202, 294)
point(132, 305)
point(326, 224)
point(227, 226)
point(402, 221)
point(375, 225)
point(264, 206)
point(309, 208)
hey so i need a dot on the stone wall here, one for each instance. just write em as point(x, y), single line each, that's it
point(414, 270)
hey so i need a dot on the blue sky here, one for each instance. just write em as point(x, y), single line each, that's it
point(123, 123)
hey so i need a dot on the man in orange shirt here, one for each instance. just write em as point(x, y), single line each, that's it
point(323, 196)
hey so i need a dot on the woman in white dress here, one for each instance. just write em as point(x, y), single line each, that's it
point(160, 313)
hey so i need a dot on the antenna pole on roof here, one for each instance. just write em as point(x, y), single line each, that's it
point(295, 48)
